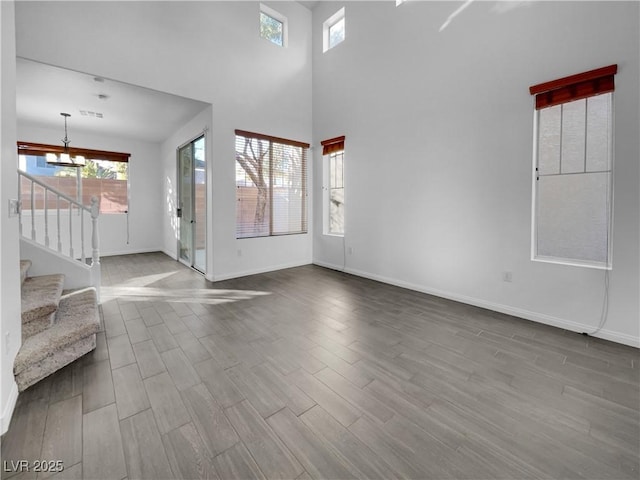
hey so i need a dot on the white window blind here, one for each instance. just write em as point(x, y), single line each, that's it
point(271, 185)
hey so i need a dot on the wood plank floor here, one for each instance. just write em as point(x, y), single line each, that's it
point(311, 373)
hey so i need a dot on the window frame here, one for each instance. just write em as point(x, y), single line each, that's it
point(332, 161)
point(304, 220)
point(331, 148)
point(40, 150)
point(580, 87)
point(277, 16)
point(326, 30)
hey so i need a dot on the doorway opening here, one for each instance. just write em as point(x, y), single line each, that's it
point(192, 199)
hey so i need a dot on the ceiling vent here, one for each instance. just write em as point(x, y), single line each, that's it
point(89, 113)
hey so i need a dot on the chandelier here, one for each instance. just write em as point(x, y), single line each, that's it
point(65, 158)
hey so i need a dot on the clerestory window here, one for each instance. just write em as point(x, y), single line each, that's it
point(333, 30)
point(273, 26)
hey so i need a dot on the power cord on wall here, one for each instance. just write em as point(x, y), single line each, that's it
point(605, 306)
point(604, 313)
point(344, 253)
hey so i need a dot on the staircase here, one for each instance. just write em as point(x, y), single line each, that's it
point(58, 327)
point(58, 233)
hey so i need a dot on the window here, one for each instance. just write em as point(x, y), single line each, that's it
point(573, 162)
point(41, 162)
point(273, 26)
point(271, 185)
point(105, 176)
point(333, 30)
point(333, 150)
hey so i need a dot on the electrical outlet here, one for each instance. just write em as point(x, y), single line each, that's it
point(239, 252)
point(507, 277)
point(350, 250)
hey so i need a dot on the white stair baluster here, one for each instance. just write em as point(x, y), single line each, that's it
point(33, 216)
point(58, 209)
point(20, 203)
point(82, 257)
point(95, 211)
point(46, 218)
point(70, 229)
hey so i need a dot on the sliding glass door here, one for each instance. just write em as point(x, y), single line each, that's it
point(192, 210)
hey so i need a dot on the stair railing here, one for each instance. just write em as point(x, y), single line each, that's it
point(93, 210)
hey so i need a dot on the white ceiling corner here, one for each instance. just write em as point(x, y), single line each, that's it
point(309, 4)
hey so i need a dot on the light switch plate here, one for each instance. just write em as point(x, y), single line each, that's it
point(14, 207)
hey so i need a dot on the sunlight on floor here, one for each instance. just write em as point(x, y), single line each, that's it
point(146, 279)
point(185, 295)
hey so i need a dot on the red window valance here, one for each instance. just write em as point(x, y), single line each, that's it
point(332, 145)
point(41, 149)
point(574, 87)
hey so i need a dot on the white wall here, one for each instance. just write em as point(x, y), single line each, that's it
point(10, 325)
point(47, 262)
point(209, 51)
point(145, 175)
point(439, 148)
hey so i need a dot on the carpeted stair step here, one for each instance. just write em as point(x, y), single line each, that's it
point(24, 270)
point(72, 335)
point(40, 299)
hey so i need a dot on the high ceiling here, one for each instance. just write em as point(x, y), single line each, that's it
point(44, 91)
point(309, 4)
point(100, 105)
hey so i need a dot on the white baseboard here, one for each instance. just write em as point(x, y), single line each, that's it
point(130, 252)
point(168, 254)
point(332, 266)
point(496, 307)
point(7, 412)
point(273, 268)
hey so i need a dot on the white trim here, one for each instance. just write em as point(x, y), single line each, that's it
point(270, 12)
point(326, 194)
point(534, 184)
point(168, 254)
point(572, 263)
point(535, 256)
point(326, 26)
point(617, 337)
point(10, 406)
point(130, 252)
point(326, 217)
point(256, 271)
point(331, 266)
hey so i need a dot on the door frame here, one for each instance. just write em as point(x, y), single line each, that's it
point(179, 187)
